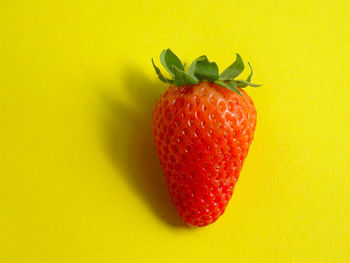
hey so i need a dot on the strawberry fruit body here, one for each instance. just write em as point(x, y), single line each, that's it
point(203, 126)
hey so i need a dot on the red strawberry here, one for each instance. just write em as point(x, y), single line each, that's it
point(203, 127)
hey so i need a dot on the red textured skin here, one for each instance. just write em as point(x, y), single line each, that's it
point(202, 134)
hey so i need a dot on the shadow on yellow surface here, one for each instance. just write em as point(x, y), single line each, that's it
point(128, 142)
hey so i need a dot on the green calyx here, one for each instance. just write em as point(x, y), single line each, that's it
point(201, 69)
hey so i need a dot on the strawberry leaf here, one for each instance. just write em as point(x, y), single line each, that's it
point(232, 85)
point(160, 75)
point(205, 70)
point(249, 78)
point(168, 59)
point(243, 83)
point(251, 73)
point(181, 78)
point(234, 70)
point(192, 67)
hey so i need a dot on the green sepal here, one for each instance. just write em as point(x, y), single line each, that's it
point(243, 83)
point(192, 67)
point(181, 78)
point(168, 59)
point(234, 70)
point(205, 70)
point(249, 78)
point(160, 75)
point(251, 73)
point(232, 85)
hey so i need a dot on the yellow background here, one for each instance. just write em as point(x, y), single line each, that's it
point(79, 177)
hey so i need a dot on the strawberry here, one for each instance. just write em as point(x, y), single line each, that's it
point(203, 126)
